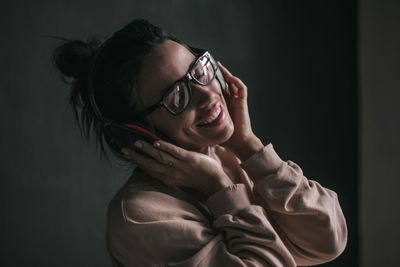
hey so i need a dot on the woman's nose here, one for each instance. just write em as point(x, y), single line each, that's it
point(203, 94)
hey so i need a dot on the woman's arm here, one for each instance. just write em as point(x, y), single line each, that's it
point(149, 228)
point(307, 216)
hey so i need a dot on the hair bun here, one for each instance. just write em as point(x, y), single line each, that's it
point(74, 57)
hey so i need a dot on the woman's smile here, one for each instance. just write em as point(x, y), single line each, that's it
point(215, 117)
point(206, 121)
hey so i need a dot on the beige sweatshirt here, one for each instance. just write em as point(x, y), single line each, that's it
point(271, 216)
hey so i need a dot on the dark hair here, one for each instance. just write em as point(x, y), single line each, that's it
point(118, 63)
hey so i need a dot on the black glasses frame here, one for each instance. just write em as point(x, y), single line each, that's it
point(186, 79)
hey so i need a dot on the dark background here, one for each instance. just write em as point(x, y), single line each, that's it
point(299, 59)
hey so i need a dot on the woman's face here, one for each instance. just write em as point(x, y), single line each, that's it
point(191, 129)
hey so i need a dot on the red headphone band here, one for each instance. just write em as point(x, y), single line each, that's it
point(140, 129)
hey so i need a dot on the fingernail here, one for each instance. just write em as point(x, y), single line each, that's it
point(138, 144)
point(125, 151)
point(156, 144)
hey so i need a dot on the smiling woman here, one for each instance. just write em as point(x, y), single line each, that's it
point(205, 190)
point(195, 127)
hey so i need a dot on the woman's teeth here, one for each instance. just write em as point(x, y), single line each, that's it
point(213, 117)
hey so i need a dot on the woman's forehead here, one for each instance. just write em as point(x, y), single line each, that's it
point(168, 63)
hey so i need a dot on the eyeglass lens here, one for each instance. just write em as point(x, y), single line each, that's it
point(202, 72)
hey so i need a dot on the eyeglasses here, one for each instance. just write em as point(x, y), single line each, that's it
point(177, 97)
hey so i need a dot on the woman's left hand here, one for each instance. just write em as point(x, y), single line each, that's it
point(243, 141)
point(176, 166)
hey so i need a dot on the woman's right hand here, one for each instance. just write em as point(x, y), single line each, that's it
point(176, 166)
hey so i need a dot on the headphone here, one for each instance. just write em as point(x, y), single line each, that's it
point(138, 128)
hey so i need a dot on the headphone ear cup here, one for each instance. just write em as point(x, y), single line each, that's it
point(145, 131)
point(127, 134)
point(117, 137)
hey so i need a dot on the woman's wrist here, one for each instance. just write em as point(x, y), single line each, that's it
point(217, 186)
point(248, 148)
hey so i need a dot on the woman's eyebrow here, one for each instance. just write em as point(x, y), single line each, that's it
point(164, 91)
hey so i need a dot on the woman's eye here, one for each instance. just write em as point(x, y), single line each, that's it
point(203, 71)
point(177, 98)
point(199, 71)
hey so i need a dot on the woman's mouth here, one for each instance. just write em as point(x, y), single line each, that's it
point(216, 117)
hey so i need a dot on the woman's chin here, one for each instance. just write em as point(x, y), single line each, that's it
point(222, 136)
point(228, 134)
point(200, 144)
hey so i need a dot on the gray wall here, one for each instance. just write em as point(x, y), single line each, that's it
point(298, 59)
point(380, 132)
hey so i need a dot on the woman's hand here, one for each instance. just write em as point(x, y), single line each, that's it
point(176, 166)
point(243, 142)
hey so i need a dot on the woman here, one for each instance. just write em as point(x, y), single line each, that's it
point(208, 192)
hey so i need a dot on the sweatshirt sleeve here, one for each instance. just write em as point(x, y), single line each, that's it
point(159, 230)
point(306, 215)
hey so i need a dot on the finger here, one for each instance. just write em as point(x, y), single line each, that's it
point(224, 70)
point(234, 89)
point(172, 149)
point(241, 88)
point(146, 162)
point(156, 153)
point(227, 74)
point(235, 80)
point(228, 90)
point(237, 85)
point(165, 173)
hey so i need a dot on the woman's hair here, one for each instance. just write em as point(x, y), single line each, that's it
point(118, 64)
